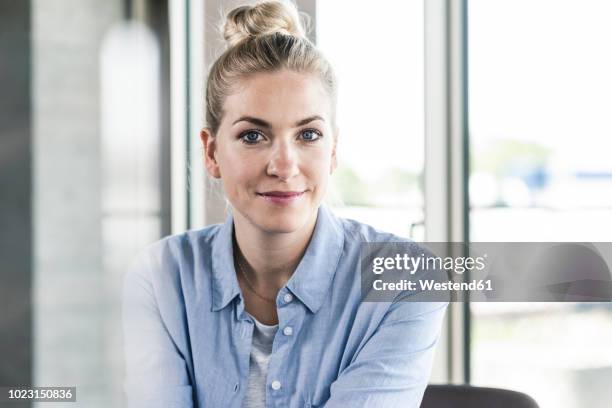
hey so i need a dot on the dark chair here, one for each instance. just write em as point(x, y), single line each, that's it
point(466, 396)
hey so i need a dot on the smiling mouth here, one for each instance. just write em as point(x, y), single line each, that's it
point(281, 197)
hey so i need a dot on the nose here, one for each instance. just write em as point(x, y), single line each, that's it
point(284, 161)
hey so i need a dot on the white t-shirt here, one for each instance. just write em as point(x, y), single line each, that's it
point(263, 337)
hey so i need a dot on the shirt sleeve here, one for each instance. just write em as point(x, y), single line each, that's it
point(156, 372)
point(393, 367)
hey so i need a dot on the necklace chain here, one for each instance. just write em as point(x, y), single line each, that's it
point(250, 286)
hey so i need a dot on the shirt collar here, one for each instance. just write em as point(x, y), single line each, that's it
point(311, 280)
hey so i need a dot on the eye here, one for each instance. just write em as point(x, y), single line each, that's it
point(250, 137)
point(311, 135)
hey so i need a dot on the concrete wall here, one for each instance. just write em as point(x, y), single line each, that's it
point(70, 287)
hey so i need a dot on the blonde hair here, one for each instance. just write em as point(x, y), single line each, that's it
point(266, 37)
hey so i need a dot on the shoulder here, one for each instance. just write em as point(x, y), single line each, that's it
point(360, 232)
point(164, 257)
point(365, 244)
point(356, 232)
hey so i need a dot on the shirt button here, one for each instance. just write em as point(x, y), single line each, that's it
point(288, 297)
point(276, 385)
point(288, 331)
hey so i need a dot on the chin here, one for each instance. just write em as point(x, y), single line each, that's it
point(282, 219)
point(283, 223)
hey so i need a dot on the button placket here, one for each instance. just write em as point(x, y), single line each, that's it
point(290, 317)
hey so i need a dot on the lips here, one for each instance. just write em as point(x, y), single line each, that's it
point(281, 197)
point(281, 193)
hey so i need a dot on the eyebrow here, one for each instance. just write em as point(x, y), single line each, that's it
point(263, 123)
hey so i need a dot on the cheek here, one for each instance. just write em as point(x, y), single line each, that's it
point(318, 166)
point(234, 164)
point(244, 174)
point(241, 173)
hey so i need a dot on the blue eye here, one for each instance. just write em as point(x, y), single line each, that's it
point(250, 137)
point(311, 135)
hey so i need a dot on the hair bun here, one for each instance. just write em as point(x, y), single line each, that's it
point(264, 18)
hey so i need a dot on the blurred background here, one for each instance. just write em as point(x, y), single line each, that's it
point(480, 120)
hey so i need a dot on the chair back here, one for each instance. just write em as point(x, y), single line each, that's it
point(466, 396)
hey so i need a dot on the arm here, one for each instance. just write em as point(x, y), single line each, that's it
point(156, 371)
point(393, 367)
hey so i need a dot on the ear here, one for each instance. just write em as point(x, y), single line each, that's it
point(334, 158)
point(209, 142)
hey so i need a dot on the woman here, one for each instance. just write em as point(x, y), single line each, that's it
point(265, 309)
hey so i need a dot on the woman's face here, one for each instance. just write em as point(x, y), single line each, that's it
point(275, 149)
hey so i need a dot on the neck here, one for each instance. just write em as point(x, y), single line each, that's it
point(271, 257)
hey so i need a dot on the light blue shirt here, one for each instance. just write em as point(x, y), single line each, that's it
point(188, 336)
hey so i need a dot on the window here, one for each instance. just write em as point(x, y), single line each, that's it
point(539, 89)
point(378, 59)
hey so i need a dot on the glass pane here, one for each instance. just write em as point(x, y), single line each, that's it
point(540, 86)
point(378, 58)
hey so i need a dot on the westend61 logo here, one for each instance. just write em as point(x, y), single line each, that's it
point(486, 271)
point(428, 263)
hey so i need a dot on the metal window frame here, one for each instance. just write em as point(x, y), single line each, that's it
point(447, 159)
point(177, 11)
point(186, 83)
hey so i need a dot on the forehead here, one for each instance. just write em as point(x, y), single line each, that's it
point(278, 97)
